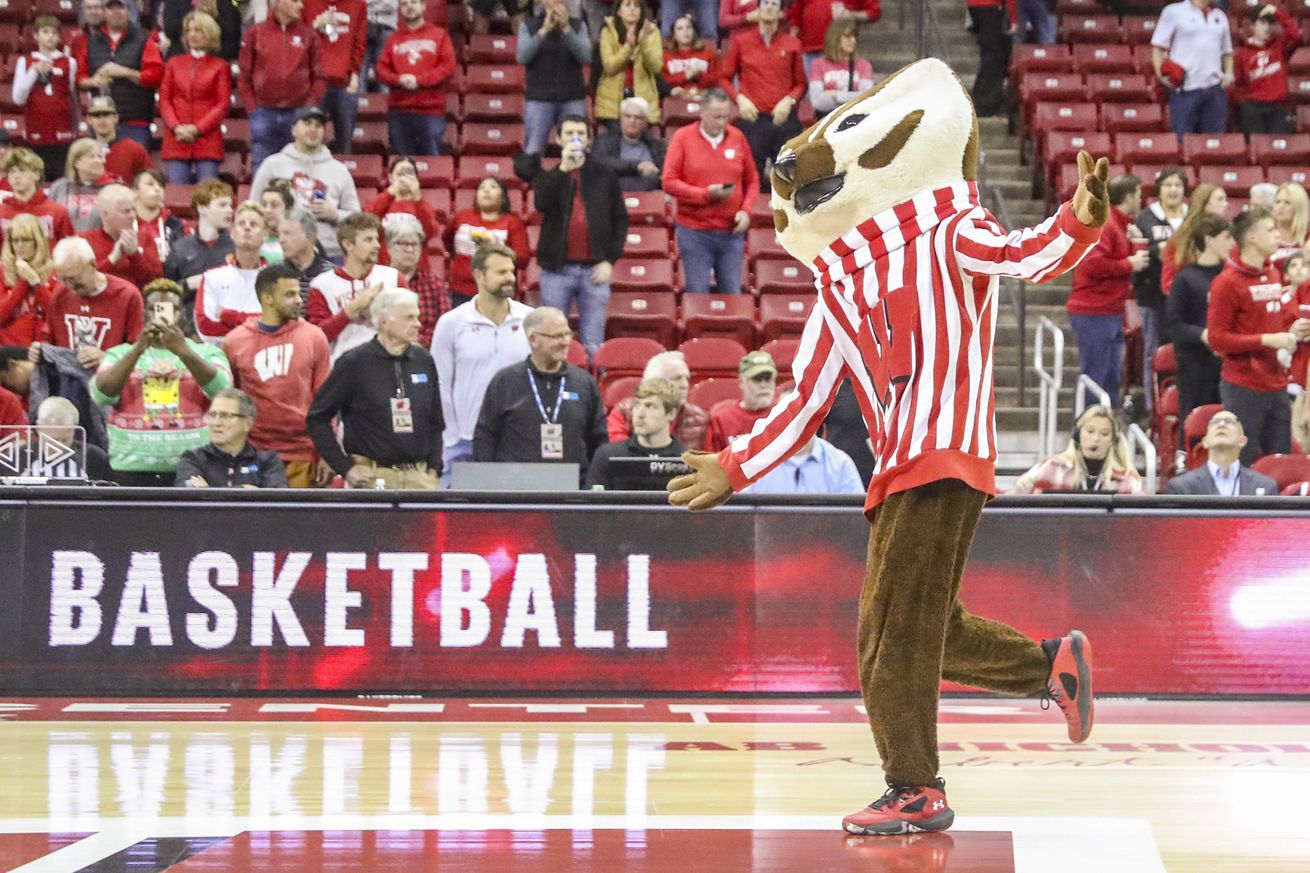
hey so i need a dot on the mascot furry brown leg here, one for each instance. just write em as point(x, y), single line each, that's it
point(880, 197)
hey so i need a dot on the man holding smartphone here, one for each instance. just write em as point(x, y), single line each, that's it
point(709, 169)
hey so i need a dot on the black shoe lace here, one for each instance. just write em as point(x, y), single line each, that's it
point(889, 796)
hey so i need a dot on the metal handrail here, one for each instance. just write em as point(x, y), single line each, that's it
point(1048, 404)
point(1143, 442)
point(1080, 401)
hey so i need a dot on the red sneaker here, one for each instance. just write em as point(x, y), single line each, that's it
point(1070, 682)
point(903, 809)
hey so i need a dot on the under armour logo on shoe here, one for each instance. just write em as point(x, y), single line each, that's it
point(938, 804)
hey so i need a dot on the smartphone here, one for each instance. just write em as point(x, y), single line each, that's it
point(163, 313)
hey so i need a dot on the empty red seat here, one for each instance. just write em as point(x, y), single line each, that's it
point(1062, 147)
point(1033, 58)
point(763, 242)
point(1146, 148)
point(619, 390)
point(1138, 29)
point(1237, 179)
point(494, 78)
point(1126, 117)
point(783, 315)
point(477, 138)
point(236, 135)
point(1278, 175)
point(783, 351)
point(783, 277)
point(1280, 148)
point(712, 357)
point(1284, 469)
point(649, 314)
point(372, 107)
point(1299, 63)
point(177, 199)
point(646, 242)
point(498, 106)
point(642, 275)
point(1214, 148)
point(647, 208)
point(465, 198)
point(370, 137)
point(1077, 7)
point(624, 356)
point(474, 168)
point(1088, 58)
point(234, 165)
point(1046, 87)
point(1084, 29)
point(491, 48)
point(368, 170)
point(64, 10)
point(711, 391)
point(719, 315)
point(435, 171)
point(762, 211)
point(1047, 117)
point(1298, 89)
point(678, 110)
point(1067, 180)
point(439, 200)
point(1120, 88)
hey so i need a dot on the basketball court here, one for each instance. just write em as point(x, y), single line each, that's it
point(406, 783)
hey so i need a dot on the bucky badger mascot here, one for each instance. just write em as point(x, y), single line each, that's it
point(880, 198)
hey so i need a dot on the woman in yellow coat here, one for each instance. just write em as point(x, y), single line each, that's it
point(631, 56)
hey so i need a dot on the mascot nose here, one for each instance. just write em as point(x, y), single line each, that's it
point(785, 167)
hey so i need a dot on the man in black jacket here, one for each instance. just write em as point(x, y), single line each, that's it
point(1187, 308)
point(635, 156)
point(387, 395)
point(543, 409)
point(656, 405)
point(583, 228)
point(230, 461)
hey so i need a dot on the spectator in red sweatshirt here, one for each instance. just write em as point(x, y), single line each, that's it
point(193, 101)
point(1103, 291)
point(25, 286)
point(490, 220)
point(23, 170)
point(123, 59)
point(119, 249)
point(416, 63)
point(710, 171)
point(737, 16)
point(281, 72)
point(124, 157)
point(1261, 70)
point(769, 72)
point(342, 27)
point(45, 85)
point(1252, 329)
point(91, 312)
point(688, 61)
point(812, 17)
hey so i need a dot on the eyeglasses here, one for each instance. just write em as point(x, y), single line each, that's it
point(211, 415)
point(406, 244)
point(568, 334)
point(1227, 419)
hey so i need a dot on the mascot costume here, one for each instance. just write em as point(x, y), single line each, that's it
point(880, 197)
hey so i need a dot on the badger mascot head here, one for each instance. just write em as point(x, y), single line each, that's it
point(915, 130)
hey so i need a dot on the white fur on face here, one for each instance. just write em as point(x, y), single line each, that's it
point(933, 157)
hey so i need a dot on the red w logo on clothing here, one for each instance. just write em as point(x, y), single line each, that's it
point(274, 361)
point(887, 340)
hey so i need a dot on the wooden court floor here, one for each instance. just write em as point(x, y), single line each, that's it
point(647, 785)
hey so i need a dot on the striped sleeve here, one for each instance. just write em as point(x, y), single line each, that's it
point(818, 369)
point(1034, 254)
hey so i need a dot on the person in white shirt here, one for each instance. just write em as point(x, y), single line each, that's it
point(226, 297)
point(339, 299)
point(818, 468)
point(1196, 37)
point(472, 343)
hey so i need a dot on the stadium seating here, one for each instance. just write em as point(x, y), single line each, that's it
point(783, 315)
point(775, 276)
point(712, 357)
point(711, 391)
point(649, 314)
point(1284, 469)
point(719, 315)
point(624, 356)
point(642, 276)
point(620, 389)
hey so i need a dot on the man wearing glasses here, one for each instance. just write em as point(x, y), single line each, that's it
point(229, 460)
point(1223, 473)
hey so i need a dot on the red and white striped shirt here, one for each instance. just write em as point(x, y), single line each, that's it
point(907, 310)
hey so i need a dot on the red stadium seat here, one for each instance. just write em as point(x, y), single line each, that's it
point(370, 137)
point(1138, 29)
point(642, 275)
point(1085, 29)
point(234, 165)
point(1131, 117)
point(1146, 148)
point(478, 106)
point(1120, 88)
point(763, 243)
point(494, 78)
point(1046, 117)
point(711, 391)
point(236, 135)
point(762, 211)
point(64, 10)
point(439, 200)
point(1298, 89)
point(1068, 179)
point(677, 111)
point(624, 356)
point(1233, 178)
point(1279, 175)
point(491, 139)
point(1280, 148)
point(474, 168)
point(1214, 148)
point(1299, 63)
point(1062, 147)
point(620, 390)
point(783, 315)
point(1284, 469)
point(1088, 58)
point(578, 355)
point(646, 242)
point(647, 208)
point(491, 49)
point(372, 107)
point(1045, 58)
point(719, 315)
point(649, 314)
point(783, 351)
point(712, 357)
point(1052, 87)
point(177, 200)
point(435, 171)
point(1297, 489)
point(783, 277)
point(367, 170)
point(1077, 7)
point(465, 199)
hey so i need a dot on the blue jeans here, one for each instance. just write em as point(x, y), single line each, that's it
point(706, 13)
point(1040, 17)
point(706, 251)
point(1204, 110)
point(190, 172)
point(539, 116)
point(414, 133)
point(460, 451)
point(270, 132)
point(343, 108)
point(573, 282)
point(137, 133)
point(1101, 353)
point(377, 37)
point(1150, 343)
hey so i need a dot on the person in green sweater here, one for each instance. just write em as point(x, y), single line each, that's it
point(159, 387)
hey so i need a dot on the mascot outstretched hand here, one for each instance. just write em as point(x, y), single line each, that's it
point(880, 198)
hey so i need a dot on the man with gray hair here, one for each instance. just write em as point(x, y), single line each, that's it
point(633, 153)
point(544, 408)
point(386, 393)
point(1262, 195)
point(229, 460)
point(297, 235)
point(57, 419)
point(118, 251)
point(405, 240)
point(90, 311)
point(690, 422)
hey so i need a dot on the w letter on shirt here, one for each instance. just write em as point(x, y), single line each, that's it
point(274, 361)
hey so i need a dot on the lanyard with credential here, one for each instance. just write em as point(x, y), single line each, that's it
point(541, 407)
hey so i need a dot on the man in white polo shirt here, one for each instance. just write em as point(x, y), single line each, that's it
point(1195, 37)
point(473, 342)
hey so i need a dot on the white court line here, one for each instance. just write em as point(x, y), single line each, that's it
point(1075, 845)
